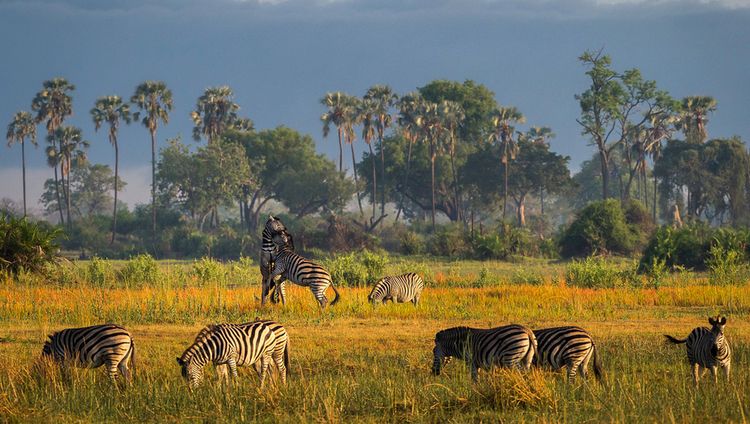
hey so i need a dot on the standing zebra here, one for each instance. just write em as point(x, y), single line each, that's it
point(273, 227)
point(707, 349)
point(512, 346)
point(401, 288)
point(92, 347)
point(230, 346)
point(293, 267)
point(281, 349)
point(570, 347)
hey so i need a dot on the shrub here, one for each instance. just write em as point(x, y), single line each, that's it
point(690, 246)
point(599, 228)
point(412, 243)
point(726, 265)
point(450, 240)
point(598, 273)
point(208, 270)
point(357, 269)
point(139, 270)
point(26, 245)
point(100, 272)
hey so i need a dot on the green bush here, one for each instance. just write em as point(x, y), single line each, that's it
point(357, 269)
point(450, 240)
point(412, 243)
point(726, 264)
point(100, 272)
point(26, 245)
point(600, 228)
point(207, 270)
point(598, 273)
point(140, 270)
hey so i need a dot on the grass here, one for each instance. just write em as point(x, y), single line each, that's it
point(359, 363)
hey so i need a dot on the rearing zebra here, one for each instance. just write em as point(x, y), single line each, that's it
point(273, 227)
point(230, 346)
point(512, 346)
point(400, 288)
point(707, 349)
point(304, 272)
point(92, 347)
point(570, 347)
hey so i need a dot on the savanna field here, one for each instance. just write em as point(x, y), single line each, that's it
point(361, 363)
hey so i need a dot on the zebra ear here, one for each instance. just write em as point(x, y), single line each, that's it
point(179, 361)
point(271, 218)
point(723, 320)
point(711, 321)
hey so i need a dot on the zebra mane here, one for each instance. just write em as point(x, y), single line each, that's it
point(202, 335)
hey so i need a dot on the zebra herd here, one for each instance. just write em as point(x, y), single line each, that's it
point(264, 344)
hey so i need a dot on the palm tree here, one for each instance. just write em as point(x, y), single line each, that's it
point(111, 110)
point(338, 106)
point(540, 136)
point(66, 147)
point(21, 128)
point(432, 128)
point(453, 116)
point(53, 104)
point(214, 113)
point(385, 98)
point(503, 134)
point(349, 120)
point(662, 125)
point(366, 115)
point(694, 117)
point(409, 107)
point(154, 99)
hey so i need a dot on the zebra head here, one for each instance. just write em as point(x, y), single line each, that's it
point(717, 330)
point(192, 372)
point(48, 351)
point(281, 241)
point(274, 225)
point(448, 343)
point(378, 292)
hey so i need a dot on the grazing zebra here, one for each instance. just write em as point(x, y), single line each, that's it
point(273, 227)
point(511, 346)
point(570, 347)
point(230, 346)
point(293, 267)
point(92, 347)
point(707, 349)
point(281, 349)
point(401, 288)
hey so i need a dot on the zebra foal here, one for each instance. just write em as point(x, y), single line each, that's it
point(707, 349)
point(91, 347)
point(229, 346)
point(571, 347)
point(398, 289)
point(511, 346)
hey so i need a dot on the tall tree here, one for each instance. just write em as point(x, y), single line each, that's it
point(694, 117)
point(366, 116)
point(111, 110)
point(67, 148)
point(53, 104)
point(215, 112)
point(338, 108)
point(385, 99)
point(350, 120)
point(154, 101)
point(20, 129)
point(409, 107)
point(453, 117)
point(538, 136)
point(432, 130)
point(502, 119)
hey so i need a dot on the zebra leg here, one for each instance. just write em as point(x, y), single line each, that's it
point(232, 364)
point(696, 377)
point(125, 371)
point(320, 295)
point(279, 359)
point(264, 362)
point(281, 290)
point(222, 373)
point(112, 370)
point(726, 371)
point(715, 374)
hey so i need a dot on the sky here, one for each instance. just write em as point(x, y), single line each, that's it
point(281, 56)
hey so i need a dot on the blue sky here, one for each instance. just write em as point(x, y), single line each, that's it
point(281, 56)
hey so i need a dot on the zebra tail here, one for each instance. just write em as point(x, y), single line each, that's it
point(286, 360)
point(674, 340)
point(598, 371)
point(336, 293)
point(132, 357)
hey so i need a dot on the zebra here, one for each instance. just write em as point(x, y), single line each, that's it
point(229, 346)
point(273, 227)
point(512, 346)
point(91, 347)
point(570, 347)
point(400, 288)
point(281, 349)
point(304, 272)
point(707, 349)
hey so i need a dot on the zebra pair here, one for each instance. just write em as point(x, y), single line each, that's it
point(516, 346)
point(273, 227)
point(398, 289)
point(707, 349)
point(91, 347)
point(228, 346)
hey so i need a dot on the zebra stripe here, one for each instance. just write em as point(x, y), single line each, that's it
point(228, 346)
point(398, 289)
point(570, 347)
point(281, 350)
point(92, 347)
point(512, 346)
point(295, 268)
point(273, 227)
point(707, 349)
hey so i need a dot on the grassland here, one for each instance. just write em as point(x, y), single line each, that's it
point(359, 363)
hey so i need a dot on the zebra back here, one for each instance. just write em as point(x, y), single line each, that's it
point(567, 346)
point(400, 288)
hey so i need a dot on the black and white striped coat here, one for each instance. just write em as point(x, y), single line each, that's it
point(280, 350)
point(273, 227)
point(229, 346)
point(707, 349)
point(91, 347)
point(570, 347)
point(301, 271)
point(398, 289)
point(511, 346)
